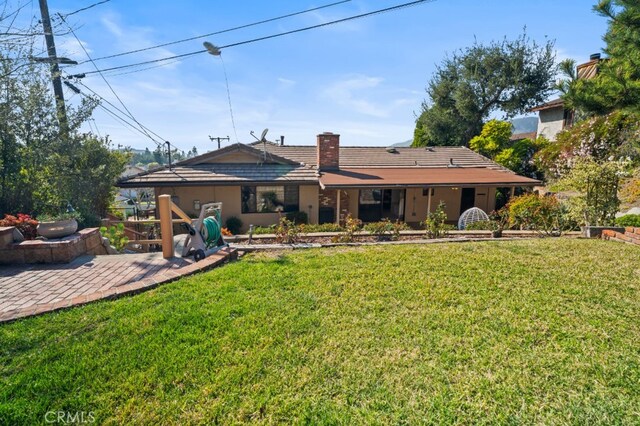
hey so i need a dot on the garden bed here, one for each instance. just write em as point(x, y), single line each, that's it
point(329, 238)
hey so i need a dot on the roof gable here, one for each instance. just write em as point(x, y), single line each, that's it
point(239, 154)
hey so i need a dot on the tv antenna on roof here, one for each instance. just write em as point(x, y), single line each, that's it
point(263, 139)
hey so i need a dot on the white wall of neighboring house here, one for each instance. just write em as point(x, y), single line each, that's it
point(550, 122)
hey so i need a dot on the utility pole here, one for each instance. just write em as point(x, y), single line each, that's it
point(169, 152)
point(211, 138)
point(55, 70)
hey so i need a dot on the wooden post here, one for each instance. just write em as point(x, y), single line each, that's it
point(166, 225)
point(338, 208)
point(429, 200)
point(513, 192)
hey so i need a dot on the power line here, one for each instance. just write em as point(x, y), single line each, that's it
point(85, 8)
point(144, 130)
point(351, 18)
point(226, 80)
point(101, 75)
point(219, 32)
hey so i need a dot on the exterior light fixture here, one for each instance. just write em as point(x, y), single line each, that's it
point(211, 48)
point(196, 205)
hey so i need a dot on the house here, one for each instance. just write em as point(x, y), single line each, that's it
point(259, 181)
point(553, 117)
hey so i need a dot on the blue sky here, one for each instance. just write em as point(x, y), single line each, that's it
point(364, 79)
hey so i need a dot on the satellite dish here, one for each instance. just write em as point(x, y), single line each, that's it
point(264, 133)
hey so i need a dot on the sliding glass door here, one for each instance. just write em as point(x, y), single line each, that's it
point(377, 204)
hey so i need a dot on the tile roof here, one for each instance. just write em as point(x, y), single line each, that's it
point(556, 103)
point(420, 176)
point(222, 174)
point(297, 164)
point(367, 156)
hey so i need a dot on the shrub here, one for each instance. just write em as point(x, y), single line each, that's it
point(597, 201)
point(628, 220)
point(482, 225)
point(385, 229)
point(116, 236)
point(299, 218)
point(351, 226)
point(234, 225)
point(325, 227)
point(46, 217)
point(225, 232)
point(23, 223)
point(435, 222)
point(543, 214)
point(287, 232)
point(262, 230)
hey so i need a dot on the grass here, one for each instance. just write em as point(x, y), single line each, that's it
point(538, 331)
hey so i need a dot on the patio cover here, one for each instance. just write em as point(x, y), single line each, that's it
point(420, 177)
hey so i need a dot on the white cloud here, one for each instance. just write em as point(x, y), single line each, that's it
point(286, 83)
point(369, 96)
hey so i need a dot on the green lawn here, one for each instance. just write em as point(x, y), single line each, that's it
point(538, 331)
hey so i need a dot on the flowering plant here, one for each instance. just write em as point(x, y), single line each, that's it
point(23, 222)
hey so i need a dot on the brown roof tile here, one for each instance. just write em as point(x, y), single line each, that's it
point(419, 176)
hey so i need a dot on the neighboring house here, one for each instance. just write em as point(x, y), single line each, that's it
point(553, 117)
point(258, 181)
point(127, 199)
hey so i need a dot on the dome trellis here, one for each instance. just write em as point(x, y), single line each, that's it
point(474, 214)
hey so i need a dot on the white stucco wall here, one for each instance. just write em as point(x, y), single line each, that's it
point(550, 122)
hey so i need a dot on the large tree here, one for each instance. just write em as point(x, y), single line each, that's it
point(509, 76)
point(41, 168)
point(617, 84)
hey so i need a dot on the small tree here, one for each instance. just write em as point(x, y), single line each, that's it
point(518, 155)
point(435, 223)
point(596, 184)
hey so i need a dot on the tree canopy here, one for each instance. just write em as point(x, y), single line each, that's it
point(509, 76)
point(617, 84)
point(43, 169)
point(494, 141)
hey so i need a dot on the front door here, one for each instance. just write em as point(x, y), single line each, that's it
point(468, 199)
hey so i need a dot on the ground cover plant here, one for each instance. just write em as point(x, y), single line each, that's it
point(543, 331)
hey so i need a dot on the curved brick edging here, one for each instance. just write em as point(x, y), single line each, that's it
point(145, 284)
point(631, 235)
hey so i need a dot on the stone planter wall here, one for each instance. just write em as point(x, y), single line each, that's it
point(63, 250)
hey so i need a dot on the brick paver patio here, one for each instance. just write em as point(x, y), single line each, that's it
point(34, 289)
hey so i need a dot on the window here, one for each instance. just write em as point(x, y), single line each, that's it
point(269, 199)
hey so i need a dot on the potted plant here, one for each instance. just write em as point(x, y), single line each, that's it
point(58, 225)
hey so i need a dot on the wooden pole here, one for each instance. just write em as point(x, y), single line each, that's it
point(429, 201)
point(55, 69)
point(166, 226)
point(338, 208)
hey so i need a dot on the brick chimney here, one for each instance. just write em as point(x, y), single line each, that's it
point(328, 151)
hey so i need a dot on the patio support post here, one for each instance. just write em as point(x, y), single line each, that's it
point(513, 191)
point(166, 225)
point(429, 201)
point(338, 208)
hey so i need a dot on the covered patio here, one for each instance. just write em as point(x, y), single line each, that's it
point(409, 194)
